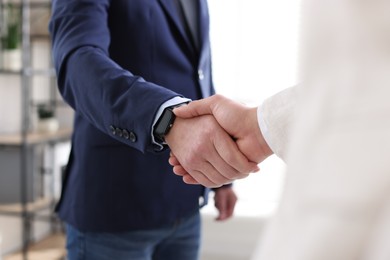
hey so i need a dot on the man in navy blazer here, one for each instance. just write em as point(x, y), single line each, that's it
point(122, 65)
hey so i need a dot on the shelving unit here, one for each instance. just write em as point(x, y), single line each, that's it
point(48, 249)
point(27, 140)
point(35, 138)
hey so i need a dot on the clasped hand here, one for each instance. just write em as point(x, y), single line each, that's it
point(215, 141)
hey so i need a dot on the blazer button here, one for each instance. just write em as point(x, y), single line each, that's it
point(200, 74)
point(119, 132)
point(126, 134)
point(112, 130)
point(132, 137)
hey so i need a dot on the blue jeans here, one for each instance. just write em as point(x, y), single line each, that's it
point(178, 242)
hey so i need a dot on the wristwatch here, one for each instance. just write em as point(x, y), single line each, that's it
point(165, 123)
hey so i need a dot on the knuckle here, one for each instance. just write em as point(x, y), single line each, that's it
point(201, 147)
point(234, 175)
point(193, 160)
point(231, 158)
point(243, 175)
point(217, 97)
point(189, 161)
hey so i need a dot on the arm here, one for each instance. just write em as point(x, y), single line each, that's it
point(91, 82)
point(276, 117)
point(105, 94)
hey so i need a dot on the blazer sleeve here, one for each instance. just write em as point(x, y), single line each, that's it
point(93, 84)
point(275, 117)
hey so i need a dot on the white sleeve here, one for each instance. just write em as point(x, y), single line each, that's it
point(275, 117)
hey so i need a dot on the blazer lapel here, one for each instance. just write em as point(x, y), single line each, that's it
point(204, 23)
point(172, 12)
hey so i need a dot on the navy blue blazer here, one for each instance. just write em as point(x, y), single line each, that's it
point(117, 61)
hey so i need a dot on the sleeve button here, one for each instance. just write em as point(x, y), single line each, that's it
point(126, 134)
point(119, 132)
point(112, 130)
point(200, 74)
point(132, 137)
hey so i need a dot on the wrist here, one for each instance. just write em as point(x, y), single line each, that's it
point(263, 145)
point(165, 123)
point(169, 137)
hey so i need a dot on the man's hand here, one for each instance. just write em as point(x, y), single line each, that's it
point(239, 121)
point(206, 152)
point(225, 200)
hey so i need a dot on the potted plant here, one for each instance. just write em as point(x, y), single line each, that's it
point(47, 123)
point(12, 55)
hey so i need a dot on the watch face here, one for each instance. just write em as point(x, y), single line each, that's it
point(164, 123)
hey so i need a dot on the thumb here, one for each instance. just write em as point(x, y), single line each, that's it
point(195, 108)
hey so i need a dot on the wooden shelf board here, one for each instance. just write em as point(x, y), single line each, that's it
point(32, 206)
point(36, 137)
point(51, 248)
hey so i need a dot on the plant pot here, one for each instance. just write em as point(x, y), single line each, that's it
point(12, 59)
point(48, 125)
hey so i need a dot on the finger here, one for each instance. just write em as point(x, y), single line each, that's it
point(214, 169)
point(221, 206)
point(224, 172)
point(205, 179)
point(179, 170)
point(230, 153)
point(195, 108)
point(189, 180)
point(230, 206)
point(173, 161)
point(209, 172)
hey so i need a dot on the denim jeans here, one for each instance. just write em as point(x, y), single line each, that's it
point(178, 242)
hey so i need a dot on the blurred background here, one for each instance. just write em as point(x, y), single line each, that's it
point(255, 48)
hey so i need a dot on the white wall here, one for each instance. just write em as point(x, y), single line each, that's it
point(10, 104)
point(234, 239)
point(254, 46)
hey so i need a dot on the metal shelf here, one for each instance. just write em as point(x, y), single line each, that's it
point(35, 138)
point(31, 3)
point(10, 72)
point(30, 72)
point(17, 208)
point(30, 211)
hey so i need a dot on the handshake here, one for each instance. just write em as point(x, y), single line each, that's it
point(215, 141)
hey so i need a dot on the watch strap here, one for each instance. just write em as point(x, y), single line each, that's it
point(165, 123)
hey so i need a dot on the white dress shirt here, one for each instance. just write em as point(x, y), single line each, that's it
point(336, 201)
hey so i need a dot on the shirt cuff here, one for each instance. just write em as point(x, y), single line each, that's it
point(169, 103)
point(263, 126)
